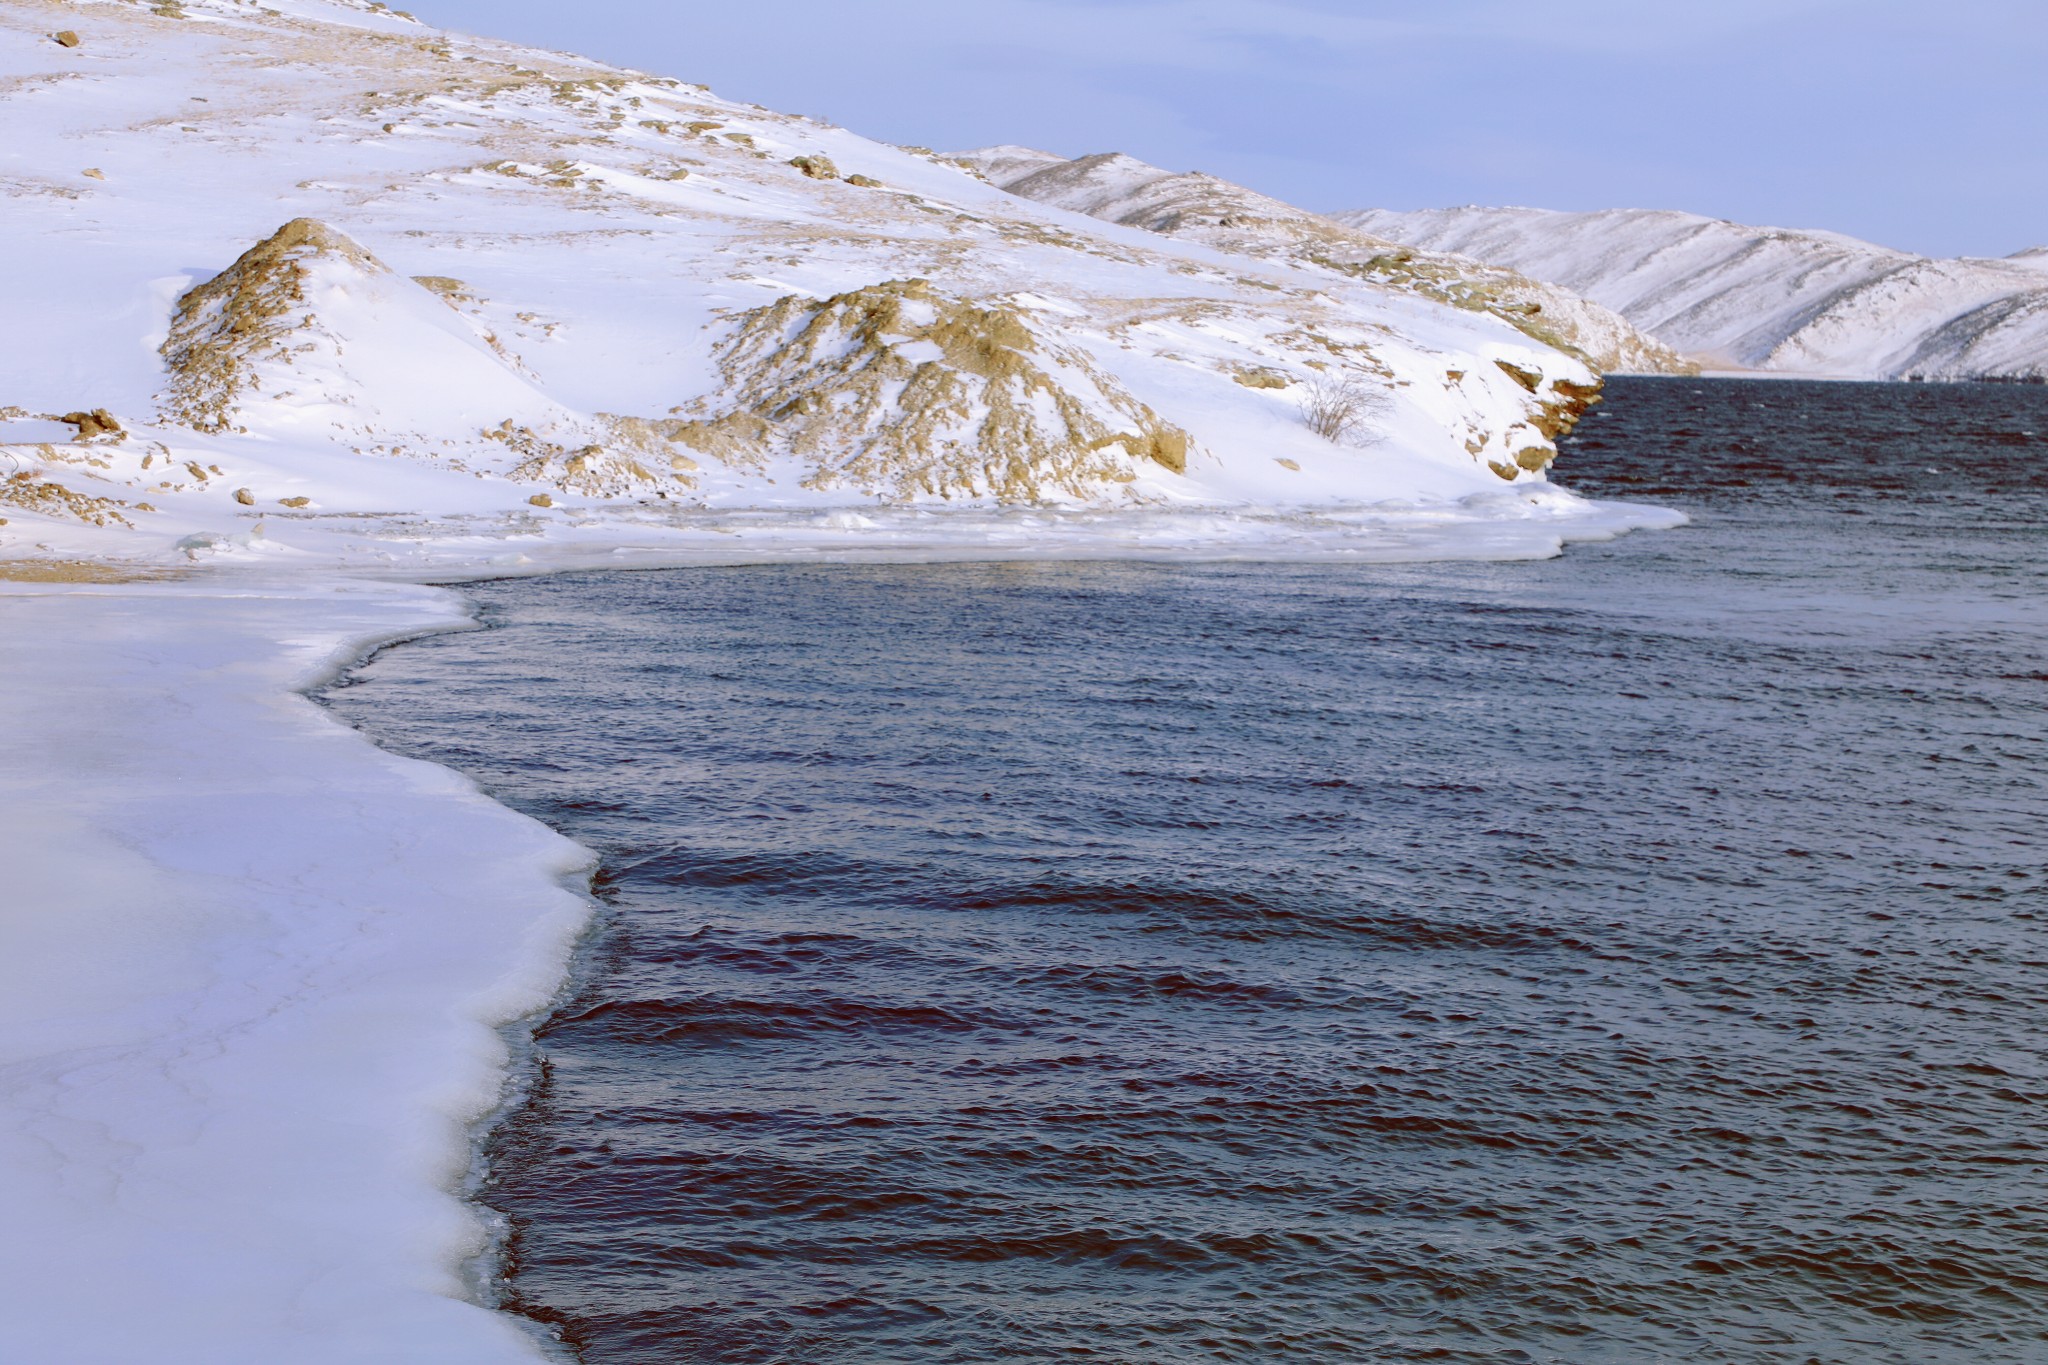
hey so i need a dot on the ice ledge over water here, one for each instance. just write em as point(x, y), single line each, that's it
point(251, 969)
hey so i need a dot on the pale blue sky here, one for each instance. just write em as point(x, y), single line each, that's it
point(1918, 124)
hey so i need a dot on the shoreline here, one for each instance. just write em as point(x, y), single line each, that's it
point(220, 784)
point(483, 1270)
point(260, 967)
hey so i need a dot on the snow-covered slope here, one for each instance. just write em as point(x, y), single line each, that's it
point(1813, 303)
point(1197, 207)
point(302, 294)
point(314, 261)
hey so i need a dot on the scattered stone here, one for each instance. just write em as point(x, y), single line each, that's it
point(99, 422)
point(95, 173)
point(816, 167)
point(294, 502)
point(866, 182)
point(541, 500)
point(26, 490)
point(66, 38)
point(1286, 463)
point(245, 497)
point(1262, 379)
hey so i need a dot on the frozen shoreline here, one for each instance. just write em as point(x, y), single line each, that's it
point(253, 981)
point(252, 977)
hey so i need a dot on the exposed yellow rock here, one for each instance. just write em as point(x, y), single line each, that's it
point(540, 500)
point(245, 497)
point(1164, 447)
point(900, 390)
point(1528, 379)
point(65, 38)
point(816, 167)
point(247, 314)
point(94, 425)
point(1569, 403)
point(446, 286)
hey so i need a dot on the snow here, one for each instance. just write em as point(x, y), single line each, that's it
point(251, 973)
point(1192, 206)
point(591, 238)
point(257, 977)
point(1769, 299)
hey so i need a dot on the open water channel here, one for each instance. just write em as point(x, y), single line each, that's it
point(1638, 956)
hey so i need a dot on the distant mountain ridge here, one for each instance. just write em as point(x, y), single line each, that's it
point(1202, 208)
point(1759, 298)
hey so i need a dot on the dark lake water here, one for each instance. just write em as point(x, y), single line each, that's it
point(1640, 956)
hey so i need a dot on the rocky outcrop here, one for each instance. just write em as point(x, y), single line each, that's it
point(901, 390)
point(253, 312)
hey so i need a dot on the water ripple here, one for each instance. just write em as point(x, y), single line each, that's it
point(1637, 957)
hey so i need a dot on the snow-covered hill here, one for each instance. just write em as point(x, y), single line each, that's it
point(314, 264)
point(303, 294)
point(1814, 303)
point(1195, 207)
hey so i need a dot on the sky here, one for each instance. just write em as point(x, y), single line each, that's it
point(1916, 124)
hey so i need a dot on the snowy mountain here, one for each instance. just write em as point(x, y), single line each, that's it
point(316, 264)
point(1196, 207)
point(1814, 303)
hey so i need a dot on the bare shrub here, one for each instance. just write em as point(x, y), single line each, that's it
point(1341, 409)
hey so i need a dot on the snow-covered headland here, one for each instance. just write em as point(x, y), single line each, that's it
point(318, 284)
point(307, 304)
point(1774, 300)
